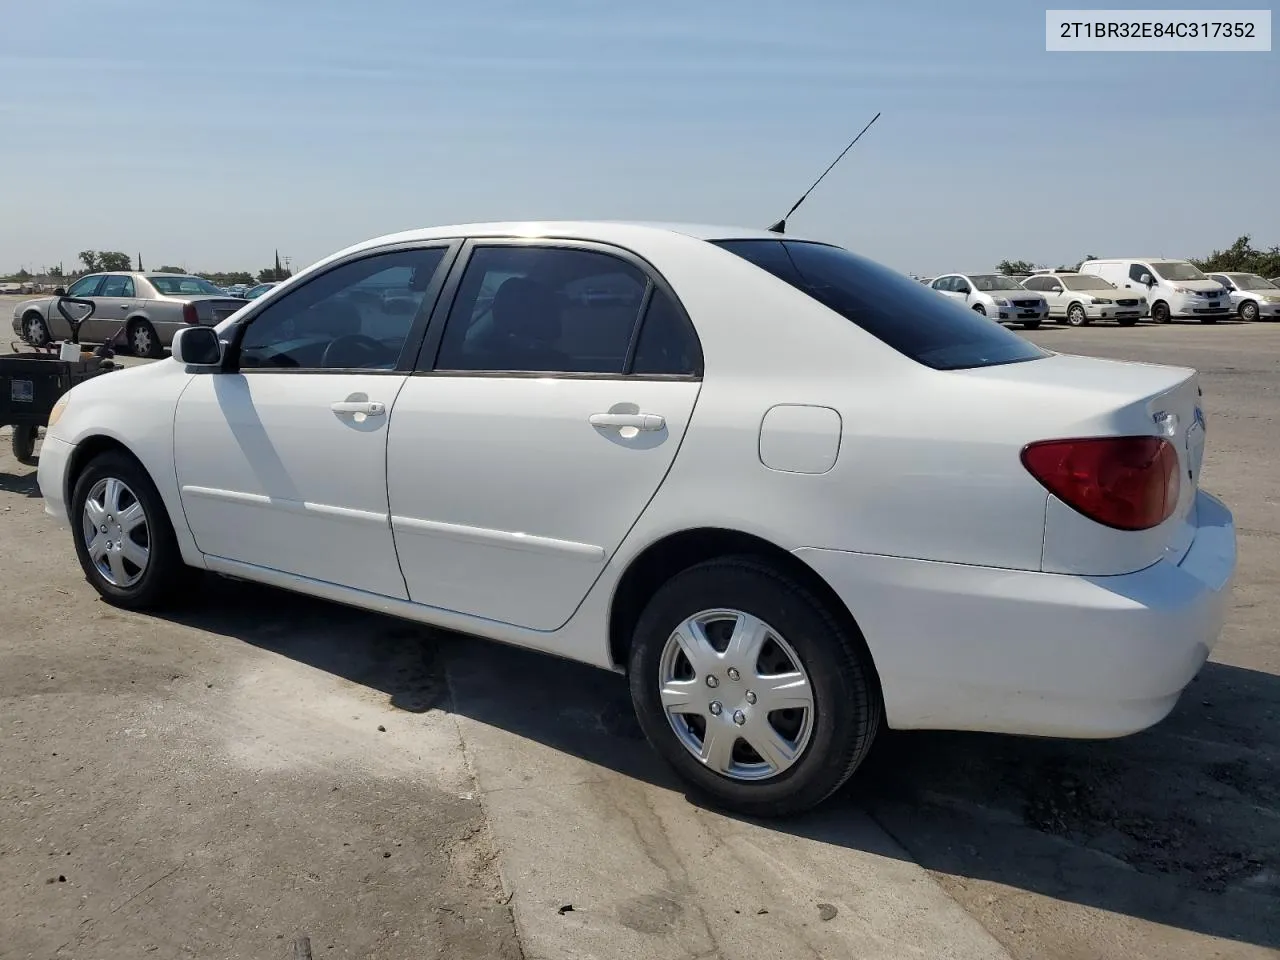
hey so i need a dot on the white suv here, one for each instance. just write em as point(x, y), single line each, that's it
point(1176, 289)
point(996, 296)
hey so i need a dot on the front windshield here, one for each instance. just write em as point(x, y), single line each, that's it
point(1251, 281)
point(1087, 283)
point(177, 286)
point(1179, 271)
point(995, 281)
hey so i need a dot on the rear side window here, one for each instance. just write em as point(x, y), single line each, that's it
point(935, 331)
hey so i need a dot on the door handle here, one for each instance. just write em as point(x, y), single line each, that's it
point(641, 421)
point(371, 408)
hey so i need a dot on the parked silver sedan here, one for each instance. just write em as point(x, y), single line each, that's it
point(146, 309)
point(1253, 297)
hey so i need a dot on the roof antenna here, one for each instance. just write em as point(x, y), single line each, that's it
point(781, 225)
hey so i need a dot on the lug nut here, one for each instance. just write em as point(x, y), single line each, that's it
point(751, 696)
point(733, 673)
point(715, 708)
point(739, 717)
point(712, 681)
point(104, 528)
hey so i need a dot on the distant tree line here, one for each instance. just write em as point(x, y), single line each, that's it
point(1240, 257)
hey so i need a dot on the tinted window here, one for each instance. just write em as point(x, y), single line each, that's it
point(543, 309)
point(355, 316)
point(85, 287)
point(178, 286)
point(667, 342)
point(1136, 270)
point(117, 287)
point(893, 308)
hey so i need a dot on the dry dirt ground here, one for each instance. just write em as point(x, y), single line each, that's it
point(258, 767)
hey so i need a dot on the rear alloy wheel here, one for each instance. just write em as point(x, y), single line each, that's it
point(1160, 312)
point(757, 695)
point(123, 537)
point(143, 341)
point(1076, 316)
point(1249, 311)
point(36, 331)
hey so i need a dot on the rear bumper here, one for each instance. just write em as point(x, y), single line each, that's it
point(1008, 651)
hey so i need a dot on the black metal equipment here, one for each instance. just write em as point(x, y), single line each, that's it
point(31, 383)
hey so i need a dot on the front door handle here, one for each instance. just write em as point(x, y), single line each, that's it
point(370, 408)
point(641, 421)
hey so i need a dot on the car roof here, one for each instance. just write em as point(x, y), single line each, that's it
point(604, 230)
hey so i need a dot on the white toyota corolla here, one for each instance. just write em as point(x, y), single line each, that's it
point(792, 494)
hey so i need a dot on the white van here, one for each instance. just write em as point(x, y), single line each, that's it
point(1174, 288)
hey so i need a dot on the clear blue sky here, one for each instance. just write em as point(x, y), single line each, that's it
point(210, 133)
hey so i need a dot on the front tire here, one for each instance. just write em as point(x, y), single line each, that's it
point(1076, 316)
point(143, 341)
point(1248, 311)
point(1160, 312)
point(123, 537)
point(758, 696)
point(980, 308)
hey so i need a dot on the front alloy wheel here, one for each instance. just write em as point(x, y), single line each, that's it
point(1248, 311)
point(1076, 316)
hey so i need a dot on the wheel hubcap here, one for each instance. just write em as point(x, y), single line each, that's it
point(116, 533)
point(736, 694)
point(141, 341)
point(35, 331)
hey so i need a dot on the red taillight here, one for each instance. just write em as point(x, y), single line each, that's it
point(1130, 483)
point(189, 314)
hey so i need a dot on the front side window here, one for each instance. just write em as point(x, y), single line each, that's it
point(117, 286)
point(543, 309)
point(1137, 271)
point(356, 316)
point(933, 331)
point(85, 287)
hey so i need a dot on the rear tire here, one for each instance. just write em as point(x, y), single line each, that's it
point(1128, 321)
point(1160, 312)
point(24, 443)
point(143, 341)
point(118, 484)
point(1030, 324)
point(1248, 311)
point(824, 740)
point(1208, 319)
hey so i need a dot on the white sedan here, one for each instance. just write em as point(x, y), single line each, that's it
point(793, 495)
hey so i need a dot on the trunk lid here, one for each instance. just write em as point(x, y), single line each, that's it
point(1065, 396)
point(213, 310)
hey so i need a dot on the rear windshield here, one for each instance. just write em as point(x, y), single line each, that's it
point(172, 285)
point(915, 320)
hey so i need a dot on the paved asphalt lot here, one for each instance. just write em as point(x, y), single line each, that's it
point(258, 767)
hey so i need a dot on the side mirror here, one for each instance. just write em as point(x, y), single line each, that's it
point(197, 347)
point(59, 291)
point(1147, 279)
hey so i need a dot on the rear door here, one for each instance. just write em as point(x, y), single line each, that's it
point(547, 407)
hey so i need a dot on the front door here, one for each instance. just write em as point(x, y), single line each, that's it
point(545, 416)
point(281, 461)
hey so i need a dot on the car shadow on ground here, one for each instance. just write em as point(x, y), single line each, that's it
point(1179, 825)
point(23, 483)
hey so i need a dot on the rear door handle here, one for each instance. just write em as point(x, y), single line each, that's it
point(371, 408)
point(641, 421)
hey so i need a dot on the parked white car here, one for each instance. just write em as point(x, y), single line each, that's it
point(1252, 297)
point(794, 495)
point(996, 296)
point(1080, 298)
point(1176, 289)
